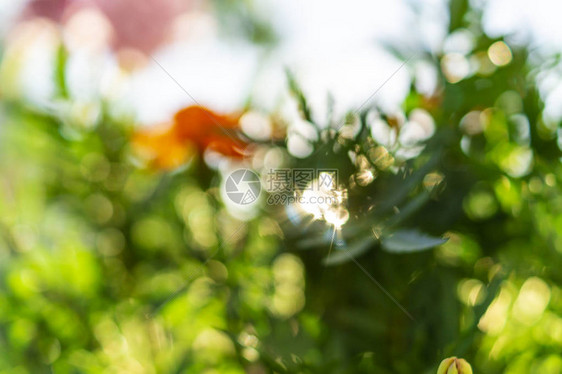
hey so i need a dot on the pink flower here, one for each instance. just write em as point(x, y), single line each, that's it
point(52, 9)
point(141, 25)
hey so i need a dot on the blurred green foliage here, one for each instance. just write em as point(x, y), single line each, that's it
point(108, 267)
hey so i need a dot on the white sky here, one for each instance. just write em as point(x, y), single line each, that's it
point(330, 47)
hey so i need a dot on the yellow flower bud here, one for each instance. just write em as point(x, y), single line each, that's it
point(453, 365)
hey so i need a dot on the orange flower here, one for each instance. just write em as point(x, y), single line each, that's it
point(210, 130)
point(194, 129)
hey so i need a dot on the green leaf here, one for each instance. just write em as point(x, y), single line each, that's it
point(403, 241)
point(296, 90)
point(60, 71)
point(408, 209)
point(403, 186)
point(354, 250)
